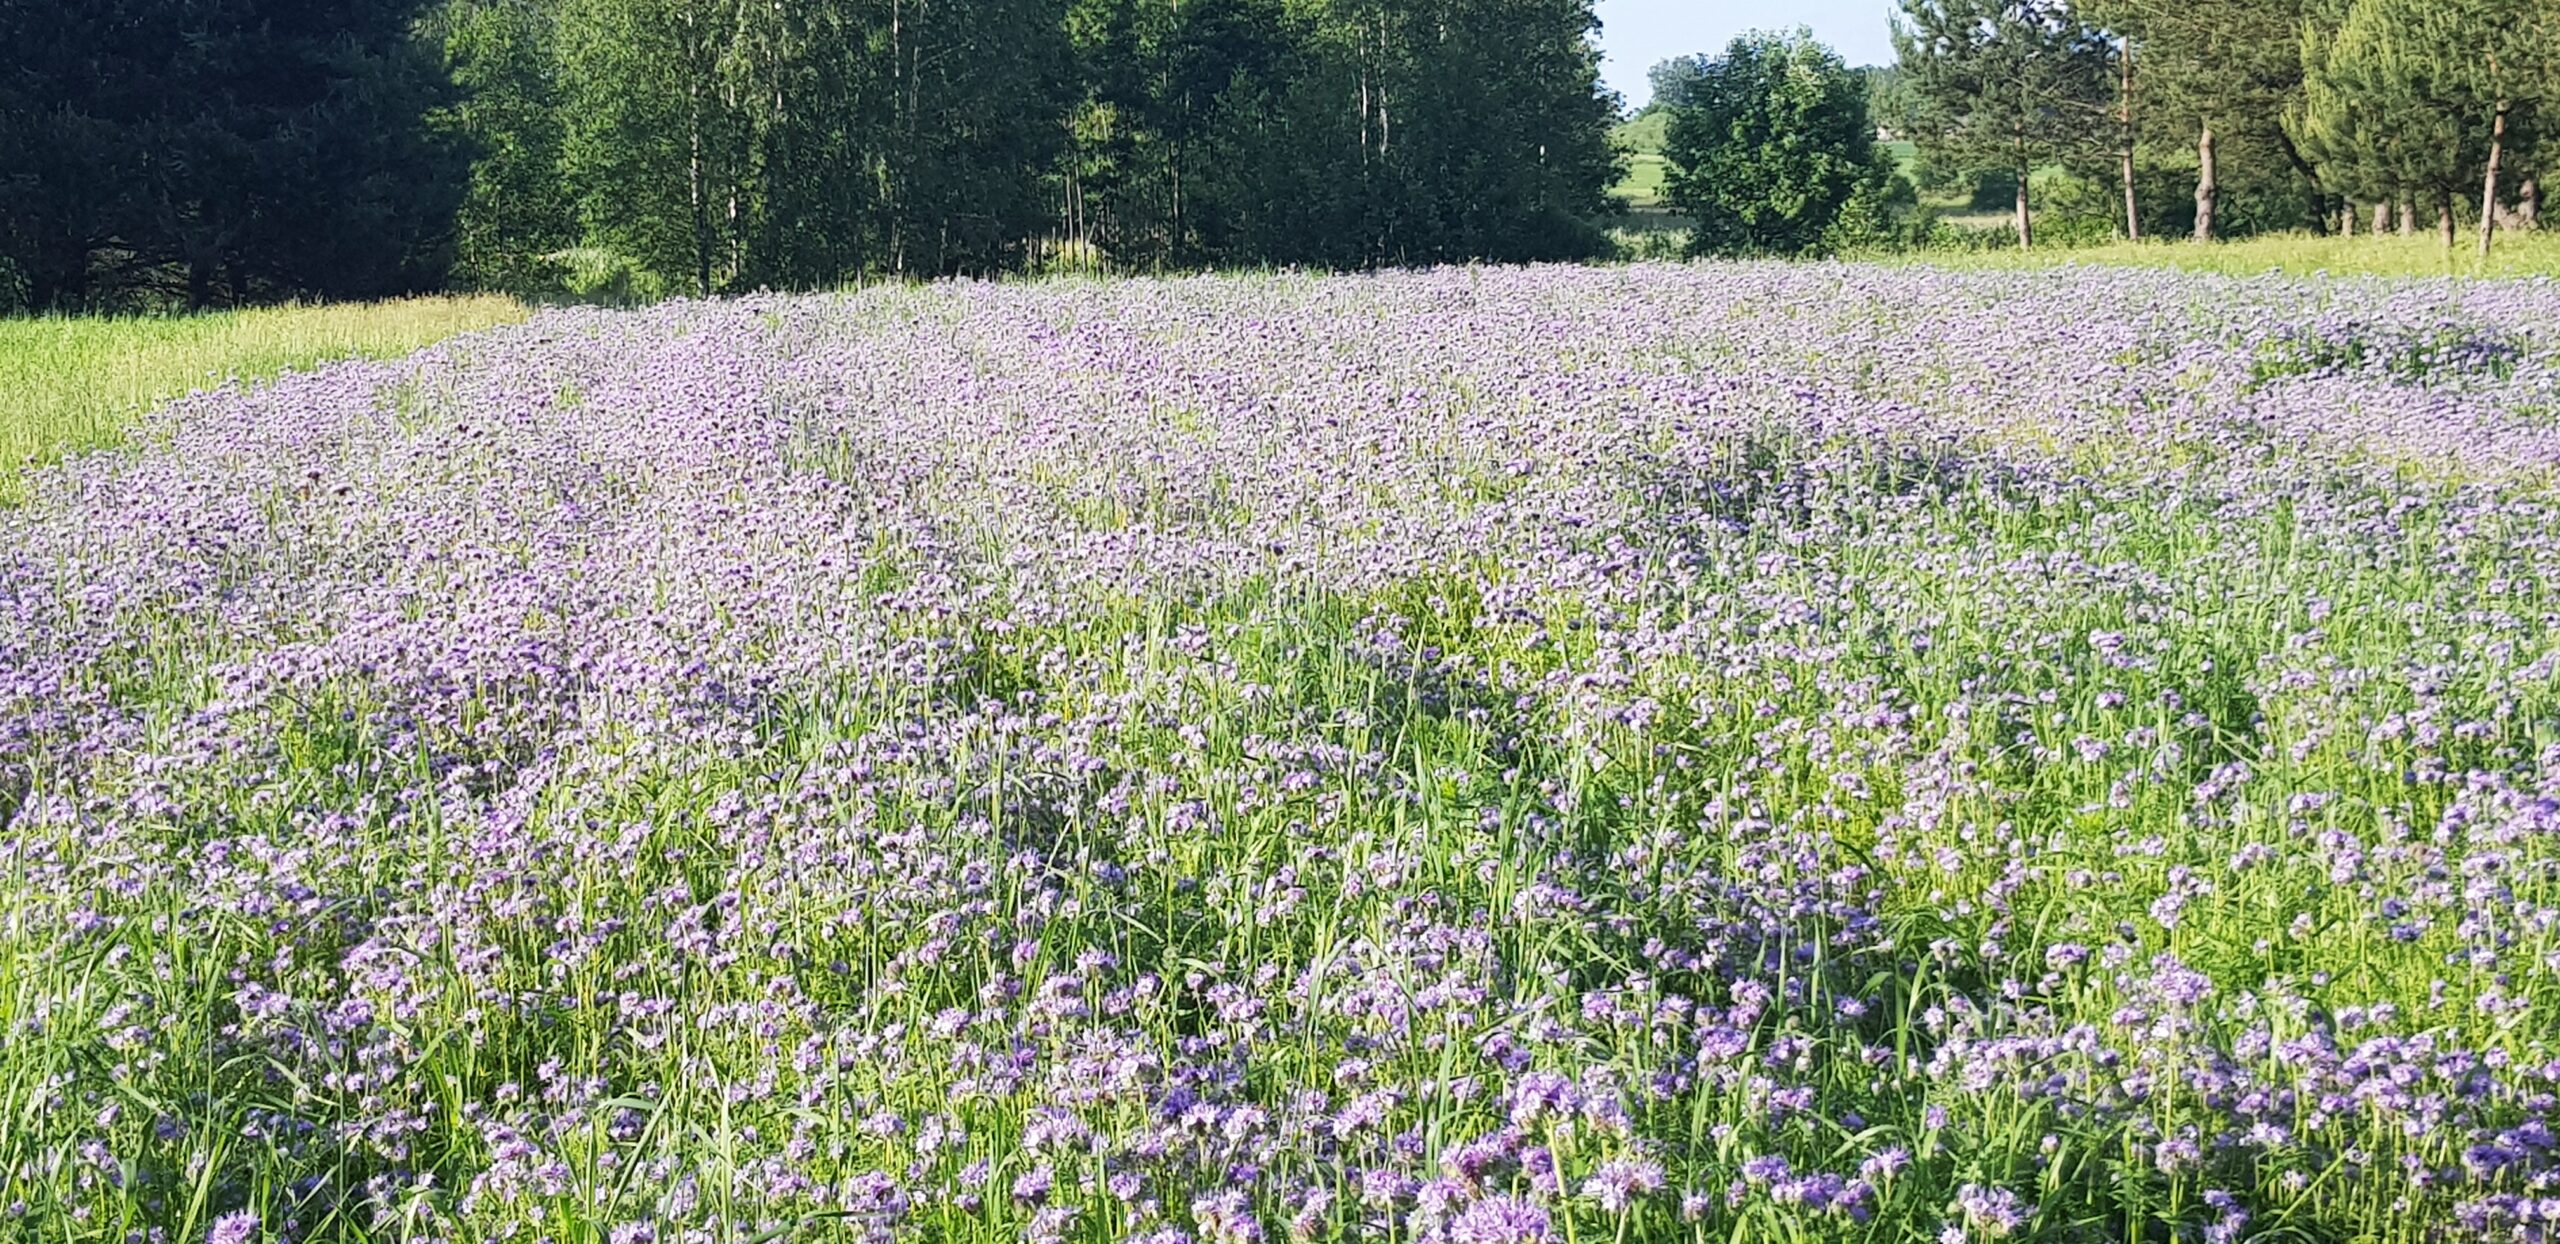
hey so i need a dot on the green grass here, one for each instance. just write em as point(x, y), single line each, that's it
point(2535, 254)
point(1643, 185)
point(1650, 233)
point(1642, 139)
point(72, 384)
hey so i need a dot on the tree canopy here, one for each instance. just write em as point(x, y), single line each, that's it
point(1771, 147)
point(2005, 84)
point(214, 151)
point(2282, 113)
point(165, 153)
point(221, 150)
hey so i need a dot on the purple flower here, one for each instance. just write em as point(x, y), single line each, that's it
point(1621, 1182)
point(1992, 1212)
point(1501, 1220)
point(1884, 1164)
point(1766, 1168)
point(1486, 1159)
point(1541, 1095)
point(1050, 1225)
point(237, 1227)
point(1239, 740)
point(1226, 1218)
point(875, 1195)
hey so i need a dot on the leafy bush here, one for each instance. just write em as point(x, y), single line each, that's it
point(602, 274)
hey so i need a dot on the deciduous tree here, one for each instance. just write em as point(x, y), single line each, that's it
point(1769, 144)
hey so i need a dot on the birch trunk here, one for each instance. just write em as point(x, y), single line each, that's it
point(2026, 218)
point(2132, 209)
point(2208, 189)
point(2489, 180)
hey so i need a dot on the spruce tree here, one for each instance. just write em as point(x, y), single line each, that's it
point(221, 151)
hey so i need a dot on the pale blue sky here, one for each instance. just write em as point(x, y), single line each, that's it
point(1636, 34)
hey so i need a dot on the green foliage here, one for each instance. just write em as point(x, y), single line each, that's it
point(2231, 66)
point(2407, 355)
point(727, 146)
point(216, 151)
point(516, 211)
point(2379, 111)
point(656, 148)
point(1891, 103)
point(1772, 151)
point(2006, 84)
point(1673, 79)
point(1647, 133)
point(162, 153)
point(13, 287)
point(2402, 98)
point(1368, 132)
point(600, 274)
point(220, 151)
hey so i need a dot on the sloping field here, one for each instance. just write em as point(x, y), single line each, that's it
point(72, 384)
point(1722, 753)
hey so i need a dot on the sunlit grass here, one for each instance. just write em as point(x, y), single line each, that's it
point(71, 384)
point(2512, 255)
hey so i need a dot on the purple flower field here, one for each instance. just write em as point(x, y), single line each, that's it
point(1745, 753)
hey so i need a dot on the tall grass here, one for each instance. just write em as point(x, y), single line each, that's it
point(2514, 255)
point(68, 384)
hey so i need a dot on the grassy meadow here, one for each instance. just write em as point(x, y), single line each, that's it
point(2534, 254)
point(1640, 141)
point(68, 384)
point(1699, 753)
point(1650, 230)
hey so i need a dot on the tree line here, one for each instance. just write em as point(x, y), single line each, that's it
point(210, 152)
point(198, 153)
point(2195, 117)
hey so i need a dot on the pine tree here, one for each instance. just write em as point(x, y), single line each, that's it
point(2005, 84)
point(2218, 77)
point(2391, 107)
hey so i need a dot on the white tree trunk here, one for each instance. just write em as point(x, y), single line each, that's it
point(2208, 188)
point(2489, 180)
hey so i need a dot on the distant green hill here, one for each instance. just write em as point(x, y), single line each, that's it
point(1643, 139)
point(1646, 133)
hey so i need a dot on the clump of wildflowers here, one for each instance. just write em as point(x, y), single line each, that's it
point(1478, 756)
